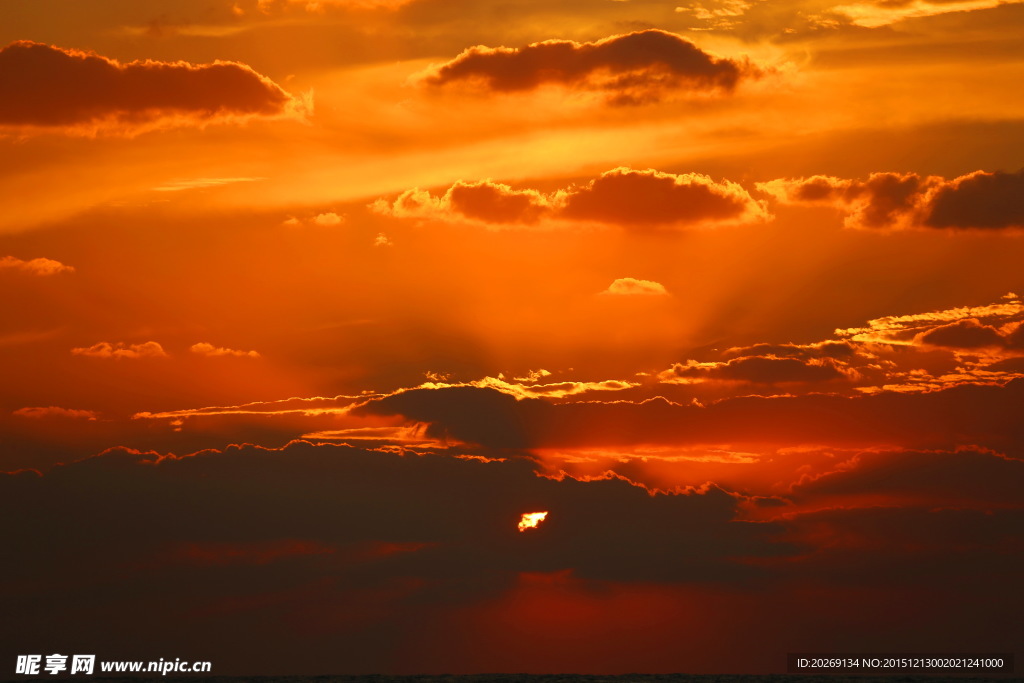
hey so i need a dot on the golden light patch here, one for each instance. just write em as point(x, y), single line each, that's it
point(530, 520)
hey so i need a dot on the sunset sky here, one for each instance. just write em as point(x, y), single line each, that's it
point(307, 302)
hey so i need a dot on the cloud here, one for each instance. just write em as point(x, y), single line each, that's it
point(150, 349)
point(968, 413)
point(634, 68)
point(534, 375)
point(206, 349)
point(47, 87)
point(527, 387)
point(885, 12)
point(202, 183)
point(250, 552)
point(485, 201)
point(964, 477)
point(903, 329)
point(1015, 336)
point(319, 405)
point(331, 549)
point(36, 266)
point(320, 6)
point(761, 370)
point(962, 334)
point(826, 349)
point(496, 203)
point(627, 286)
point(382, 240)
point(978, 200)
point(652, 198)
point(336, 496)
point(621, 196)
point(54, 411)
point(328, 219)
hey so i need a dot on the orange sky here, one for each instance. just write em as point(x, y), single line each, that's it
point(307, 303)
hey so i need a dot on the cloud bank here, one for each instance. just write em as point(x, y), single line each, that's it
point(633, 68)
point(46, 87)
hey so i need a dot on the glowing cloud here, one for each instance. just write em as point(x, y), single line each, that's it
point(150, 349)
point(36, 266)
point(901, 329)
point(206, 349)
point(201, 183)
point(627, 286)
point(55, 411)
point(328, 219)
point(320, 6)
point(485, 201)
point(759, 370)
point(621, 196)
point(885, 12)
point(531, 520)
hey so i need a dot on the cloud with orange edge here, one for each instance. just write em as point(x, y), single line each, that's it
point(886, 12)
point(207, 349)
point(485, 201)
point(628, 286)
point(651, 198)
point(768, 370)
point(36, 266)
point(902, 329)
point(150, 349)
point(633, 68)
point(321, 6)
point(49, 88)
point(622, 196)
point(979, 200)
point(328, 220)
point(55, 411)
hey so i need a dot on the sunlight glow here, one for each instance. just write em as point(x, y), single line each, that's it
point(530, 520)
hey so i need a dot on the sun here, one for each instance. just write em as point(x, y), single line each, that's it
point(530, 520)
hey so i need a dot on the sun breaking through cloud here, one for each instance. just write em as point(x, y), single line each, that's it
point(531, 520)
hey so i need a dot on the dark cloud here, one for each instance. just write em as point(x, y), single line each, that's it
point(649, 198)
point(337, 495)
point(1015, 364)
point(971, 414)
point(764, 370)
point(953, 478)
point(962, 334)
point(883, 200)
point(621, 196)
point(309, 544)
point(978, 200)
point(632, 68)
point(839, 350)
point(485, 416)
point(1015, 338)
point(43, 86)
point(967, 557)
point(495, 203)
point(889, 196)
